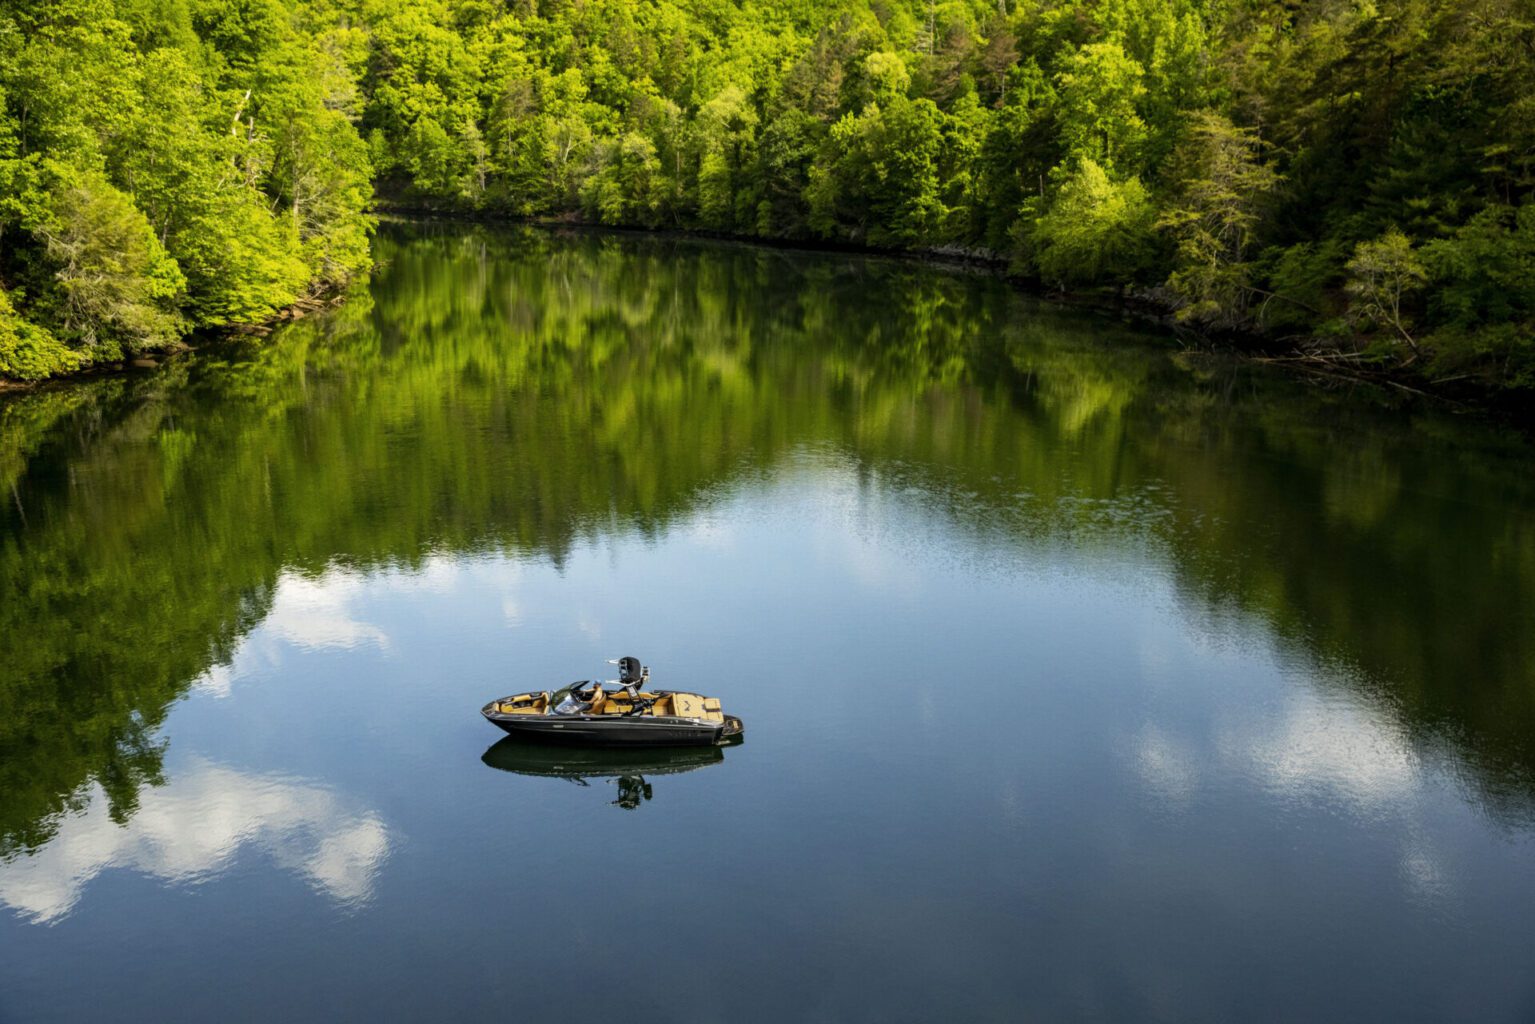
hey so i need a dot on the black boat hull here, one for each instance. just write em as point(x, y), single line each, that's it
point(609, 730)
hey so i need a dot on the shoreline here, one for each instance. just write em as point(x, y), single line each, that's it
point(1322, 366)
point(327, 297)
point(1305, 356)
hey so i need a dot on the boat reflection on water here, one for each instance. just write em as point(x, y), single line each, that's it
point(629, 767)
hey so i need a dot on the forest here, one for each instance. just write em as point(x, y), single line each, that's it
point(1351, 177)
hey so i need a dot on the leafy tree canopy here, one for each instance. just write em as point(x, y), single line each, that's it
point(1240, 161)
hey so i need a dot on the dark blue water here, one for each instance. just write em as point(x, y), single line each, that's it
point(1082, 678)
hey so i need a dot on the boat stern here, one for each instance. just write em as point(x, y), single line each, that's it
point(732, 731)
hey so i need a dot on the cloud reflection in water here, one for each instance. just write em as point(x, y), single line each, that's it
point(316, 613)
point(1340, 750)
point(192, 828)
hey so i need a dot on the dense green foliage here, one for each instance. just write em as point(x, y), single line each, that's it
point(166, 166)
point(1354, 171)
point(616, 384)
point(1326, 168)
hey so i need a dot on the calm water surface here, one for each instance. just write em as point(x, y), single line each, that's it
point(1083, 678)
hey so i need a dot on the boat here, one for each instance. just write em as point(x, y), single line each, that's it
point(619, 712)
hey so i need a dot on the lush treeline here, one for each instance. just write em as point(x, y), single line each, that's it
point(165, 165)
point(1359, 172)
point(1355, 172)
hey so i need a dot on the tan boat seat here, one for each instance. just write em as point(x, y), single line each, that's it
point(524, 704)
point(687, 705)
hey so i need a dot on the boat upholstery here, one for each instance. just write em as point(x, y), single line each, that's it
point(680, 705)
point(692, 705)
point(687, 705)
point(525, 704)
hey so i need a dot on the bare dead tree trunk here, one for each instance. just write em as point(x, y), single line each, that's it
point(234, 125)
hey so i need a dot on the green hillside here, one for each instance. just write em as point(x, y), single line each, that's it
point(1357, 173)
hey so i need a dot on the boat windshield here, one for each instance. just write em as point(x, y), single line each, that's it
point(565, 702)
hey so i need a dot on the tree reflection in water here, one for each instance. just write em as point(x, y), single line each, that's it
point(519, 391)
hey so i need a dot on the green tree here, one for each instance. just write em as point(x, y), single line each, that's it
point(1383, 275)
point(883, 184)
point(30, 352)
point(621, 192)
point(1095, 230)
point(727, 130)
point(117, 288)
point(1099, 87)
point(1217, 202)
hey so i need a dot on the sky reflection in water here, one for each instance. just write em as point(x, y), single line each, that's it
point(1049, 712)
point(191, 829)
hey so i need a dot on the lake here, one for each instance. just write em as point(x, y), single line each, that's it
point(1084, 677)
